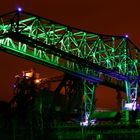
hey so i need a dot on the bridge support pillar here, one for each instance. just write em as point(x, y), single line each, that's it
point(131, 93)
point(89, 100)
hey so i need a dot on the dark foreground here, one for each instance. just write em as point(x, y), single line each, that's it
point(72, 131)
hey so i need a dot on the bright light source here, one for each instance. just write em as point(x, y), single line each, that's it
point(130, 106)
point(14, 86)
point(85, 123)
point(37, 81)
point(126, 36)
point(28, 74)
point(19, 9)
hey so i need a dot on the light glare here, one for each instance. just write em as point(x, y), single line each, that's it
point(37, 81)
point(126, 36)
point(29, 74)
point(19, 9)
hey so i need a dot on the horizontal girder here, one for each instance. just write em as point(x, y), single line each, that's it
point(106, 59)
point(69, 49)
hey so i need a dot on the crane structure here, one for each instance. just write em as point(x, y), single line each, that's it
point(95, 58)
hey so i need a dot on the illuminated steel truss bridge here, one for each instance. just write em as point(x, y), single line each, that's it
point(95, 58)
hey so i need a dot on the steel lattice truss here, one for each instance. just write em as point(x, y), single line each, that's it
point(25, 33)
point(94, 57)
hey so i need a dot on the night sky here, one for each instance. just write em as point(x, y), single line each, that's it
point(107, 17)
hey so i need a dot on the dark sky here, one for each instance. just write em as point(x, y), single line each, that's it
point(118, 17)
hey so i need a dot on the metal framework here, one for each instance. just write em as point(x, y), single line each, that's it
point(93, 57)
point(72, 88)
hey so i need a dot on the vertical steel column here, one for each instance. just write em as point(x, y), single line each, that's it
point(89, 99)
point(131, 92)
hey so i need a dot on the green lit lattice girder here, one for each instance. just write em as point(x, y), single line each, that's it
point(88, 55)
point(111, 52)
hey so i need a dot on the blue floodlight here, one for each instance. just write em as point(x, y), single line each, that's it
point(19, 9)
point(126, 36)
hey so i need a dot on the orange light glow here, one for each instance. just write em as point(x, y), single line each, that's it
point(29, 74)
point(37, 81)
